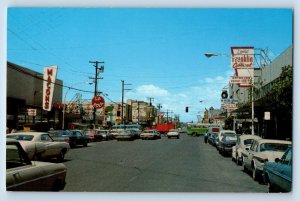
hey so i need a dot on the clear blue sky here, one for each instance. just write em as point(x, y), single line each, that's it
point(158, 51)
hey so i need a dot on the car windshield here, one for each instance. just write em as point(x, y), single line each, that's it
point(58, 133)
point(273, 147)
point(248, 142)
point(21, 137)
point(230, 138)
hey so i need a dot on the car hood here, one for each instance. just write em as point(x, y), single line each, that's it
point(50, 168)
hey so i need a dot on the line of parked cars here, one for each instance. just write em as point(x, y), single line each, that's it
point(33, 159)
point(24, 174)
point(269, 161)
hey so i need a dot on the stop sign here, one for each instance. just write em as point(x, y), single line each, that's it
point(98, 102)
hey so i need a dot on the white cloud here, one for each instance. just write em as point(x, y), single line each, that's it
point(177, 101)
point(152, 90)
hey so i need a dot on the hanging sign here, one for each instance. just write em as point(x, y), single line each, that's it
point(98, 102)
point(242, 57)
point(48, 86)
point(31, 112)
point(267, 116)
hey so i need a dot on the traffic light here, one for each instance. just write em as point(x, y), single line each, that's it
point(186, 109)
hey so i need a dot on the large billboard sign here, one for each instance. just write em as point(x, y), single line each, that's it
point(242, 60)
point(48, 86)
point(242, 57)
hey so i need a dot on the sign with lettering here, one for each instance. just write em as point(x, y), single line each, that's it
point(242, 57)
point(48, 86)
point(240, 80)
point(98, 102)
point(31, 112)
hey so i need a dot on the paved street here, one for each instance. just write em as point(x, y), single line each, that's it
point(164, 165)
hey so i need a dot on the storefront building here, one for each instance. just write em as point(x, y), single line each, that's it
point(25, 97)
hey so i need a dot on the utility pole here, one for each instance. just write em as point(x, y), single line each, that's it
point(150, 99)
point(138, 103)
point(122, 109)
point(159, 106)
point(101, 70)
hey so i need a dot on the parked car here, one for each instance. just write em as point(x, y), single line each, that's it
point(157, 134)
point(92, 135)
point(173, 133)
point(226, 144)
point(262, 151)
point(214, 130)
point(148, 134)
point(40, 146)
point(212, 139)
point(25, 175)
point(243, 142)
point(221, 134)
point(124, 135)
point(278, 174)
point(136, 133)
point(73, 137)
point(105, 134)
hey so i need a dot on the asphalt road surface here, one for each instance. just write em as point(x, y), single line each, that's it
point(164, 165)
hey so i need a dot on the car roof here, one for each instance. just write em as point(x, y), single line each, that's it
point(223, 131)
point(28, 133)
point(244, 137)
point(273, 141)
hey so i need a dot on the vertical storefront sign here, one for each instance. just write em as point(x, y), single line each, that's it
point(242, 57)
point(48, 86)
point(242, 60)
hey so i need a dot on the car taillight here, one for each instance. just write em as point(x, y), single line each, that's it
point(67, 140)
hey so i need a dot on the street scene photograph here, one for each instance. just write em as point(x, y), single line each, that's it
point(152, 100)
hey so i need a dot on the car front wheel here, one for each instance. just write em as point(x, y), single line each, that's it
point(61, 156)
point(254, 174)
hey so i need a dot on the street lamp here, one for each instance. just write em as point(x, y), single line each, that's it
point(64, 100)
point(208, 55)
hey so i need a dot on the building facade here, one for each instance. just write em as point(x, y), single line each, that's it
point(265, 76)
point(25, 97)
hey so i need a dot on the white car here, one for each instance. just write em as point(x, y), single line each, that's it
point(25, 175)
point(243, 142)
point(149, 134)
point(173, 133)
point(40, 146)
point(261, 151)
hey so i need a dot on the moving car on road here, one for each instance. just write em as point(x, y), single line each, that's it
point(278, 174)
point(25, 175)
point(40, 146)
point(148, 134)
point(173, 133)
point(124, 135)
point(73, 137)
point(262, 151)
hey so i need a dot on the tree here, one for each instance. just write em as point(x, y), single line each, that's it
point(279, 101)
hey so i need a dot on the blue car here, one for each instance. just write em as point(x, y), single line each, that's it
point(278, 174)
